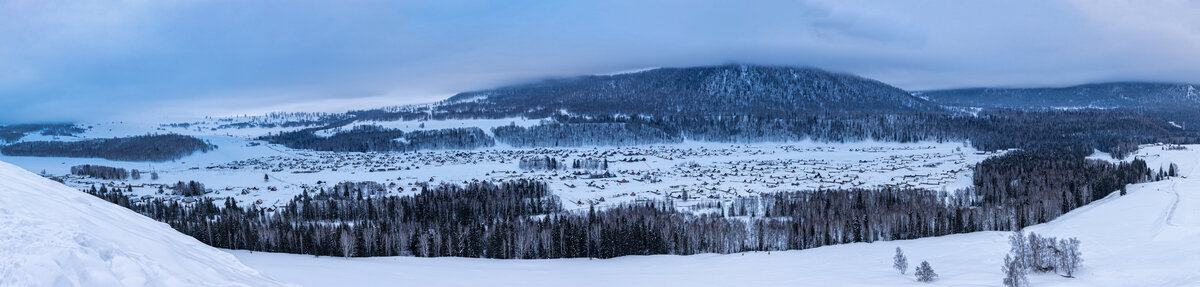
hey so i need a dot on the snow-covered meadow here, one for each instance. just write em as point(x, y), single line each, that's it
point(253, 171)
point(1145, 238)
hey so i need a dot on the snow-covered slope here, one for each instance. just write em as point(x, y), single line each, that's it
point(1145, 238)
point(52, 235)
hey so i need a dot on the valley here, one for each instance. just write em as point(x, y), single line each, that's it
point(599, 143)
point(1140, 239)
point(266, 174)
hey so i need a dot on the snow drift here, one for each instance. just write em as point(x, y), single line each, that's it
point(53, 235)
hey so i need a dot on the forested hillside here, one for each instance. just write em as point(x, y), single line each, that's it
point(1175, 103)
point(1130, 95)
point(718, 90)
point(13, 133)
point(138, 148)
point(375, 138)
point(746, 103)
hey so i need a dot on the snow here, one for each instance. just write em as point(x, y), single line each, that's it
point(408, 126)
point(54, 235)
point(631, 71)
point(1102, 156)
point(62, 237)
point(722, 171)
point(1145, 238)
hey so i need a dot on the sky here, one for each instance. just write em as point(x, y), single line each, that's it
point(183, 59)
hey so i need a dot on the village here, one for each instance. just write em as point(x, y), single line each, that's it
point(685, 173)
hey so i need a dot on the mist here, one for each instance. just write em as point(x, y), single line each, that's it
point(180, 60)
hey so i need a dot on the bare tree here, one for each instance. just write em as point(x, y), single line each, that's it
point(347, 243)
point(1070, 257)
point(1020, 249)
point(1014, 274)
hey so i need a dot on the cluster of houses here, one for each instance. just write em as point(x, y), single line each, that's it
point(679, 172)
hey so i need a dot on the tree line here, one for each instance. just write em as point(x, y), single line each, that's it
point(156, 148)
point(550, 163)
point(370, 138)
point(105, 172)
point(1117, 131)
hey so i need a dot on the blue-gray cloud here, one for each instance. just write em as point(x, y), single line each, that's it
point(72, 60)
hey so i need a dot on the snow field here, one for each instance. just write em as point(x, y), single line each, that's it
point(1145, 238)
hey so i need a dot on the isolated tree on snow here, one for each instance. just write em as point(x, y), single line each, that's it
point(266, 177)
point(925, 272)
point(1014, 275)
point(1020, 249)
point(900, 262)
point(1070, 257)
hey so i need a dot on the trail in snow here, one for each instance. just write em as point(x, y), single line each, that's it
point(1192, 180)
point(1174, 204)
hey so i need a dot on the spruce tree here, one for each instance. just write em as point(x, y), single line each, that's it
point(925, 272)
point(900, 262)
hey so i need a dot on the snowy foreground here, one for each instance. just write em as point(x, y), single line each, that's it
point(53, 235)
point(1146, 238)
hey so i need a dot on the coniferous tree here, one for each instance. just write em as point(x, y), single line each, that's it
point(924, 272)
point(900, 262)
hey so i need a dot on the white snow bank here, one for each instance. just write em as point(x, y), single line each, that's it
point(53, 235)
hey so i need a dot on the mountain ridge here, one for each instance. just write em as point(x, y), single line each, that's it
point(737, 89)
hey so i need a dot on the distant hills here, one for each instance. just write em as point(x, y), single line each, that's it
point(753, 90)
point(749, 103)
point(715, 90)
point(1123, 95)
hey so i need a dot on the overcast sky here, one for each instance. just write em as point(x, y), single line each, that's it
point(168, 60)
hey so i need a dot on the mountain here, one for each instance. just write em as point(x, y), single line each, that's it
point(57, 236)
point(715, 90)
point(1105, 95)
